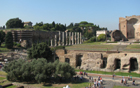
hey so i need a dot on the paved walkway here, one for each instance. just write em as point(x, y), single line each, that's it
point(108, 82)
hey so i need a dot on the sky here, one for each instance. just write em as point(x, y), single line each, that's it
point(104, 13)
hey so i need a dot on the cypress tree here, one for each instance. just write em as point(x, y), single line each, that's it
point(9, 40)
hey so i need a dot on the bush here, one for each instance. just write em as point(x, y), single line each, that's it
point(15, 44)
point(101, 37)
point(40, 50)
point(57, 47)
point(37, 70)
point(93, 39)
point(18, 45)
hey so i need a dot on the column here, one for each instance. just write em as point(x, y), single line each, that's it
point(51, 42)
point(59, 38)
point(69, 38)
point(72, 38)
point(66, 38)
point(75, 39)
point(80, 38)
point(55, 40)
point(63, 38)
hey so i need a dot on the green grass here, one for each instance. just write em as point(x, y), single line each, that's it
point(95, 46)
point(133, 47)
point(3, 48)
point(2, 78)
point(13, 86)
point(110, 73)
point(3, 73)
point(71, 85)
point(122, 87)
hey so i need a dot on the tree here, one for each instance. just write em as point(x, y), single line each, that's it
point(9, 40)
point(65, 70)
point(14, 23)
point(101, 37)
point(2, 36)
point(40, 50)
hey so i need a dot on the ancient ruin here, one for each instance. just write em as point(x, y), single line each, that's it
point(129, 28)
point(101, 61)
point(52, 38)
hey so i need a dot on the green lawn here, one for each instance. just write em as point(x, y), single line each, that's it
point(3, 73)
point(110, 73)
point(121, 87)
point(2, 78)
point(71, 85)
point(95, 46)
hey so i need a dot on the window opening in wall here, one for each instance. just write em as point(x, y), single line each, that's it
point(79, 60)
point(104, 62)
point(67, 60)
point(117, 64)
point(133, 64)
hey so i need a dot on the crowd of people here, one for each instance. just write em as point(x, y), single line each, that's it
point(98, 83)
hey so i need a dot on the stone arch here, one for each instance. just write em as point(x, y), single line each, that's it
point(104, 64)
point(67, 60)
point(117, 63)
point(79, 60)
point(116, 35)
point(133, 64)
point(130, 27)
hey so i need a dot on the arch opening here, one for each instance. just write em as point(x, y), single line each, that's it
point(117, 64)
point(78, 60)
point(104, 62)
point(133, 64)
point(67, 60)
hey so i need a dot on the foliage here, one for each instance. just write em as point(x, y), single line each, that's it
point(14, 23)
point(57, 47)
point(92, 39)
point(9, 40)
point(28, 27)
point(101, 37)
point(2, 36)
point(49, 27)
point(87, 29)
point(40, 50)
point(37, 70)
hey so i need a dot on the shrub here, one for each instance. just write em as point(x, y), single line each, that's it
point(101, 37)
point(18, 45)
point(93, 39)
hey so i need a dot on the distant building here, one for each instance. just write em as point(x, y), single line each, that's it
point(100, 32)
point(130, 26)
point(28, 23)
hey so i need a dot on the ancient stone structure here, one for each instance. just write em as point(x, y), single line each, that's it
point(28, 23)
point(117, 35)
point(130, 26)
point(102, 61)
point(52, 38)
point(100, 32)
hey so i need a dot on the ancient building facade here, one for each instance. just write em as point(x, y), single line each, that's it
point(52, 38)
point(130, 26)
point(28, 23)
point(101, 61)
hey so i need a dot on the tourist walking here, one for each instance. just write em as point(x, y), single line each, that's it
point(95, 83)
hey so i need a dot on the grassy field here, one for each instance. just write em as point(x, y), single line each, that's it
point(3, 73)
point(95, 46)
point(110, 73)
point(122, 87)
